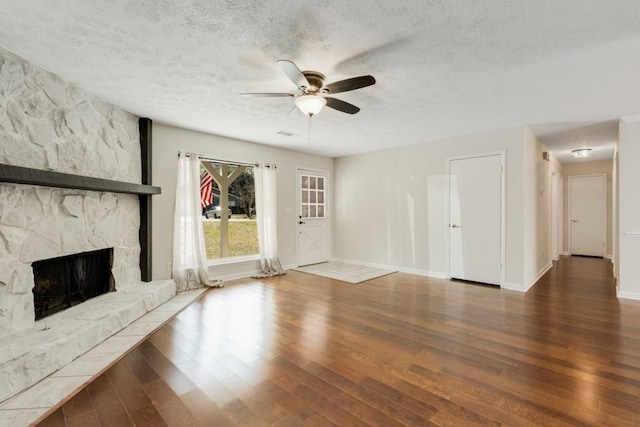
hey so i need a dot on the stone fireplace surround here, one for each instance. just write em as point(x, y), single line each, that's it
point(50, 125)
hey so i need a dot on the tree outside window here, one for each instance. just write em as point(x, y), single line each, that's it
point(228, 198)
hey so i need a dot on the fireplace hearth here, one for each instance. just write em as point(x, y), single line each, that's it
point(66, 281)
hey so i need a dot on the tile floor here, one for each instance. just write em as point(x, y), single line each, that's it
point(351, 273)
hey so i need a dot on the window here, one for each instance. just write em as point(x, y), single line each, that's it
point(312, 197)
point(227, 194)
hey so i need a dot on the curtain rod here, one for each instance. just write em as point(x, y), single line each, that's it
point(228, 162)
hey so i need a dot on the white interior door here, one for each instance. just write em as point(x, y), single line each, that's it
point(313, 229)
point(587, 215)
point(475, 219)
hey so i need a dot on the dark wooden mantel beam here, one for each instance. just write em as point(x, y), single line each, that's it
point(29, 176)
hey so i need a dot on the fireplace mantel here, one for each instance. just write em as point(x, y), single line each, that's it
point(29, 176)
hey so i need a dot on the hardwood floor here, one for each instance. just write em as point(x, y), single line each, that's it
point(397, 350)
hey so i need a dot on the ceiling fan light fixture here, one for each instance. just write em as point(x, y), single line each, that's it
point(310, 105)
point(581, 152)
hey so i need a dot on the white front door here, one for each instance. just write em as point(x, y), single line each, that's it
point(313, 229)
point(587, 215)
point(475, 219)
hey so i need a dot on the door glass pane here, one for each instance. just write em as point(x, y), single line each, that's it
point(312, 196)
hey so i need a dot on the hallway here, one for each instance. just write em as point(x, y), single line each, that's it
point(398, 350)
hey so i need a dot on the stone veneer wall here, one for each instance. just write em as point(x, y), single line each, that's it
point(47, 123)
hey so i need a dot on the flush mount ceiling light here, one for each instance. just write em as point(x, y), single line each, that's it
point(581, 152)
point(310, 105)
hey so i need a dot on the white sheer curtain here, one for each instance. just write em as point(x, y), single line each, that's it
point(189, 256)
point(266, 207)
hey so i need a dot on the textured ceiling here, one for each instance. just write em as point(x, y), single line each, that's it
point(443, 67)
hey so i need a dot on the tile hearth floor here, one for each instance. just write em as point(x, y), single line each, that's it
point(28, 406)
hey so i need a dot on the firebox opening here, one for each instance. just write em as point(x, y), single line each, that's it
point(66, 281)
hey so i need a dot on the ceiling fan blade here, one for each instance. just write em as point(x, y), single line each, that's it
point(267, 95)
point(350, 84)
point(293, 72)
point(340, 105)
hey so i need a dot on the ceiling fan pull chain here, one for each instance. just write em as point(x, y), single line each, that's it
point(309, 136)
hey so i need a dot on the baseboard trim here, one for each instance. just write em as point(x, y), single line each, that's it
point(525, 288)
point(566, 253)
point(239, 275)
point(608, 256)
point(512, 287)
point(418, 272)
point(628, 295)
point(250, 273)
point(541, 273)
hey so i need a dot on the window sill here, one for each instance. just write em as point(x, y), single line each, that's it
point(232, 260)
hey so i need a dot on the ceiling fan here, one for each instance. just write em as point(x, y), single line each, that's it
point(313, 92)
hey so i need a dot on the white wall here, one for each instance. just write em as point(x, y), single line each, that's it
point(167, 141)
point(587, 168)
point(541, 259)
point(530, 204)
point(629, 210)
point(390, 206)
point(615, 212)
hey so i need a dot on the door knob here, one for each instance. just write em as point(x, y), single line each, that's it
point(455, 226)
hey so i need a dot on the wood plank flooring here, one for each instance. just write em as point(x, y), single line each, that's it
point(398, 350)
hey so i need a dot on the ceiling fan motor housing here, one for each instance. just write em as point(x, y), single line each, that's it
point(315, 79)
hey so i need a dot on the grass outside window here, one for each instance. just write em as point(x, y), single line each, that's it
point(243, 238)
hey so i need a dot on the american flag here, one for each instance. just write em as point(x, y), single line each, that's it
point(206, 196)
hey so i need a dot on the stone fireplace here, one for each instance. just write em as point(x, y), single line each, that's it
point(75, 157)
point(48, 124)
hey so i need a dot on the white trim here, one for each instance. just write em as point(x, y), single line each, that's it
point(416, 271)
point(249, 273)
point(603, 176)
point(232, 260)
point(608, 256)
point(503, 210)
point(239, 275)
point(565, 253)
point(525, 288)
point(541, 273)
point(628, 295)
point(513, 287)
